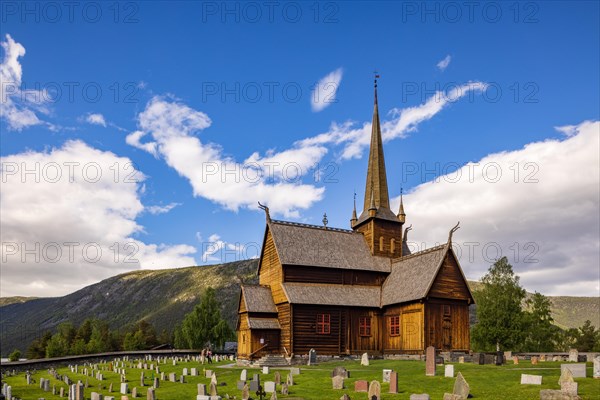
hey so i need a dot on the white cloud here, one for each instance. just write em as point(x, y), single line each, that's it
point(443, 64)
point(18, 107)
point(162, 209)
point(96, 119)
point(355, 139)
point(80, 195)
point(325, 90)
point(543, 207)
point(274, 178)
point(216, 250)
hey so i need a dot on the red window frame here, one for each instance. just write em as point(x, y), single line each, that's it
point(323, 324)
point(364, 326)
point(394, 325)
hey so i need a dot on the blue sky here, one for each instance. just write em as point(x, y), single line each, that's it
point(175, 87)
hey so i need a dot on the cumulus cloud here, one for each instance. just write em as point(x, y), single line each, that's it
point(274, 178)
point(96, 119)
point(325, 90)
point(443, 64)
point(537, 205)
point(17, 107)
point(70, 220)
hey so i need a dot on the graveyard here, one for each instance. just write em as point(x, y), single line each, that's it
point(187, 378)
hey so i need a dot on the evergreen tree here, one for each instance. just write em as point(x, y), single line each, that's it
point(500, 316)
point(542, 335)
point(588, 338)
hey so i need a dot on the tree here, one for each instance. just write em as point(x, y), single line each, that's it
point(203, 325)
point(588, 338)
point(15, 355)
point(499, 311)
point(542, 335)
point(57, 346)
point(37, 348)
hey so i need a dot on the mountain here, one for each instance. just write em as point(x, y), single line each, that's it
point(163, 297)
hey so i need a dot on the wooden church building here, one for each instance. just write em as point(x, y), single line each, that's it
point(352, 291)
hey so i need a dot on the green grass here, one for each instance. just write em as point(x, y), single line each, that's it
point(487, 382)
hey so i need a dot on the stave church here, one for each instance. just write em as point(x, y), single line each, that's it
point(350, 291)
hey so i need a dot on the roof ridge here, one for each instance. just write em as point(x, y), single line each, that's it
point(299, 224)
point(419, 253)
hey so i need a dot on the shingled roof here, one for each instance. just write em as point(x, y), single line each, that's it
point(263, 323)
point(323, 294)
point(302, 244)
point(412, 276)
point(258, 299)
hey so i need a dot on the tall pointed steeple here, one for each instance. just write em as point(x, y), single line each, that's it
point(376, 175)
point(381, 227)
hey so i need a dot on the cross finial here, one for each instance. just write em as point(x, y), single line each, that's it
point(325, 221)
point(376, 76)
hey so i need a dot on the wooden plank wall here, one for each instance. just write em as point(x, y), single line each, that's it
point(449, 282)
point(271, 273)
point(448, 330)
point(295, 273)
point(411, 338)
point(284, 316)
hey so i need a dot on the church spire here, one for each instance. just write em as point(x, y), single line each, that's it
point(376, 176)
point(354, 217)
point(401, 213)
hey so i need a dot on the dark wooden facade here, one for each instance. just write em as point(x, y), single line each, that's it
point(353, 291)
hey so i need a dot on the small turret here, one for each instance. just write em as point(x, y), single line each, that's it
point(401, 213)
point(372, 207)
point(354, 217)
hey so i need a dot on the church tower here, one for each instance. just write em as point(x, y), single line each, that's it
point(381, 228)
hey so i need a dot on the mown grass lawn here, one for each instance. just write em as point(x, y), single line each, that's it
point(487, 382)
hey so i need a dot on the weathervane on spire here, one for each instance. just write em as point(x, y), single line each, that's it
point(377, 76)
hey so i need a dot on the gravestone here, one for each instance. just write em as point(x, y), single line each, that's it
point(290, 379)
point(345, 397)
point(96, 396)
point(578, 370)
point(597, 367)
point(184, 372)
point(549, 394)
point(565, 376)
point(213, 379)
point(386, 375)
point(295, 371)
point(277, 378)
point(531, 379)
point(430, 361)
point(499, 358)
point(461, 360)
point(569, 388)
point(364, 360)
point(507, 355)
point(240, 385)
point(254, 385)
point(337, 382)
point(273, 396)
point(542, 358)
point(461, 387)
point(213, 390)
point(182, 379)
point(208, 373)
point(245, 392)
point(124, 388)
point(449, 371)
point(423, 396)
point(361, 386)
point(515, 360)
point(312, 357)
point(534, 360)
point(156, 383)
point(573, 355)
point(374, 391)
point(244, 375)
point(340, 371)
point(150, 395)
point(270, 387)
point(172, 377)
point(201, 389)
point(142, 379)
point(284, 389)
point(134, 393)
point(393, 382)
point(194, 371)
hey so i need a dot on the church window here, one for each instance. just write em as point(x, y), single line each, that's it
point(394, 325)
point(323, 324)
point(364, 326)
point(380, 243)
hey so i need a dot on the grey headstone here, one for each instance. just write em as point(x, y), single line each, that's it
point(449, 371)
point(573, 355)
point(527, 379)
point(461, 387)
point(430, 361)
point(386, 375)
point(202, 389)
point(422, 396)
point(244, 375)
point(124, 388)
point(597, 367)
point(578, 370)
point(270, 387)
point(337, 382)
